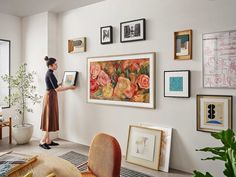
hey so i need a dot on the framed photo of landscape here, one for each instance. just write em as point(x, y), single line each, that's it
point(69, 78)
point(177, 83)
point(126, 80)
point(144, 146)
point(214, 112)
point(183, 45)
point(133, 30)
point(106, 35)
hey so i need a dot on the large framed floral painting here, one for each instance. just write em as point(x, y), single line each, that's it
point(126, 80)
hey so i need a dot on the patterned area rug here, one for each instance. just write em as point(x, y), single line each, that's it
point(77, 159)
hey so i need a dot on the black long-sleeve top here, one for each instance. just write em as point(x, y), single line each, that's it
point(51, 80)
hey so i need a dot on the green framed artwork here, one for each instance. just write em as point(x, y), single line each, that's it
point(183, 45)
point(214, 112)
point(126, 80)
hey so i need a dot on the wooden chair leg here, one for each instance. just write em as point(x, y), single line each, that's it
point(10, 130)
point(0, 132)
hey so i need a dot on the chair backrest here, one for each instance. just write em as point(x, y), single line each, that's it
point(104, 158)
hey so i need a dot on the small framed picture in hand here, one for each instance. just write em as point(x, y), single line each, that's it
point(69, 78)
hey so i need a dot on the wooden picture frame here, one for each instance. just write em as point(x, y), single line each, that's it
point(69, 78)
point(126, 80)
point(106, 35)
point(134, 30)
point(77, 45)
point(218, 64)
point(214, 112)
point(144, 146)
point(177, 83)
point(183, 45)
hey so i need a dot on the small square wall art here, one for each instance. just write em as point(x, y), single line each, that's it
point(177, 83)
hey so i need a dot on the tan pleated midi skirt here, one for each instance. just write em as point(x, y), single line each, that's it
point(50, 114)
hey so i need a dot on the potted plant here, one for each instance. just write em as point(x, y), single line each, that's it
point(226, 153)
point(22, 91)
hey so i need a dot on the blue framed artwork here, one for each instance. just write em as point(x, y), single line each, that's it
point(177, 83)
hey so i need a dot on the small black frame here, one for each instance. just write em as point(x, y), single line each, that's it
point(106, 38)
point(134, 30)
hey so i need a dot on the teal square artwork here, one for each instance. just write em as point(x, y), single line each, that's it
point(176, 83)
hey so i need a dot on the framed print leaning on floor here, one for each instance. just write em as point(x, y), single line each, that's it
point(144, 146)
point(126, 80)
point(214, 112)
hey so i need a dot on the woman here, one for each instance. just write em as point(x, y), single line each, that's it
point(49, 118)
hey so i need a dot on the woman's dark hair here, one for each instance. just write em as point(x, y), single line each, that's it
point(49, 61)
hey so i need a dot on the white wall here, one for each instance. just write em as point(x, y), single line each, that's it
point(11, 30)
point(38, 41)
point(81, 120)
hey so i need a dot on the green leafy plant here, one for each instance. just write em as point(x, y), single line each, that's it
point(22, 91)
point(226, 153)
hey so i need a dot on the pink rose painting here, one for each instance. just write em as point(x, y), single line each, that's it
point(126, 80)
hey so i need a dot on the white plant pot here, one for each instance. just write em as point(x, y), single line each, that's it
point(22, 133)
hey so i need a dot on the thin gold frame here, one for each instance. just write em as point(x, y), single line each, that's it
point(157, 150)
point(183, 57)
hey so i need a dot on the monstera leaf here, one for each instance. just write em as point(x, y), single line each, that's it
point(199, 174)
point(226, 153)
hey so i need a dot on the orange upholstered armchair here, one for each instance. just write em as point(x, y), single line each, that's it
point(104, 159)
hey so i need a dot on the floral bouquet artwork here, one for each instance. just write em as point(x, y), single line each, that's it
point(122, 80)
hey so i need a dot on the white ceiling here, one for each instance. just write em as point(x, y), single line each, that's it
point(24, 8)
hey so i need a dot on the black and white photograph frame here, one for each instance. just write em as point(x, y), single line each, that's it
point(69, 78)
point(134, 30)
point(177, 83)
point(106, 35)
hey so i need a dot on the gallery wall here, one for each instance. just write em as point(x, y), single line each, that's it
point(11, 30)
point(46, 34)
point(80, 121)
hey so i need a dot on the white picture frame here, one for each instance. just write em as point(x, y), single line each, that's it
point(142, 97)
point(165, 145)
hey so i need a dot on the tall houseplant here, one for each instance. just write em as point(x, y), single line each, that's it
point(22, 91)
point(226, 153)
